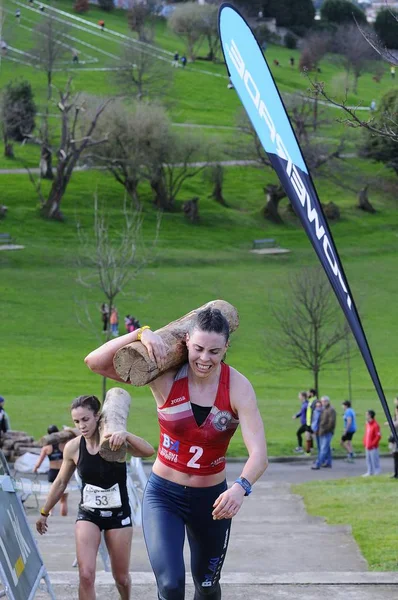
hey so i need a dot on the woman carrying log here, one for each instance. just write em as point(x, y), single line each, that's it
point(104, 501)
point(55, 456)
point(199, 407)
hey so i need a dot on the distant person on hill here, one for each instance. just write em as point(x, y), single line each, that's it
point(176, 58)
point(350, 428)
point(55, 456)
point(291, 60)
point(101, 24)
point(4, 47)
point(75, 56)
point(18, 15)
point(392, 71)
point(183, 60)
point(41, 7)
point(327, 425)
point(105, 316)
point(114, 321)
point(371, 442)
point(276, 62)
point(316, 417)
point(373, 106)
point(302, 415)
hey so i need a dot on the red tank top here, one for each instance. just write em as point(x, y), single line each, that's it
point(186, 446)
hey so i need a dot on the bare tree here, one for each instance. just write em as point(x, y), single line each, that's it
point(48, 53)
point(209, 27)
point(76, 136)
point(135, 139)
point(186, 21)
point(180, 157)
point(353, 52)
point(141, 73)
point(109, 260)
point(316, 45)
point(320, 156)
point(140, 21)
point(312, 333)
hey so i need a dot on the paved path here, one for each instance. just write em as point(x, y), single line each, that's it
point(277, 551)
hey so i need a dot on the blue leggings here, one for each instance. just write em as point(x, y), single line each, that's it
point(169, 509)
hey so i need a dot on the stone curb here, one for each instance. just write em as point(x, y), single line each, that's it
point(351, 578)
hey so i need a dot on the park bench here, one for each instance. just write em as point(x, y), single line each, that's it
point(5, 238)
point(264, 243)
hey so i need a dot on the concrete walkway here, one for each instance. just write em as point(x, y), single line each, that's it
point(277, 551)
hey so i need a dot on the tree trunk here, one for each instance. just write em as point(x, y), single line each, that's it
point(218, 181)
point(161, 199)
point(363, 201)
point(114, 414)
point(131, 186)
point(8, 149)
point(132, 362)
point(46, 163)
point(51, 209)
point(274, 194)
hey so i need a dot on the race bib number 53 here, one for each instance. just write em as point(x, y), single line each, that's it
point(97, 497)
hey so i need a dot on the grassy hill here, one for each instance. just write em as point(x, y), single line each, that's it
point(43, 344)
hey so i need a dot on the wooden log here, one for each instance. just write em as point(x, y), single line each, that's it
point(23, 449)
point(132, 362)
point(114, 414)
point(59, 437)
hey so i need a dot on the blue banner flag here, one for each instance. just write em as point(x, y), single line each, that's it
point(256, 88)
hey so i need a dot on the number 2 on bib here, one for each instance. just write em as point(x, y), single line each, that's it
point(197, 453)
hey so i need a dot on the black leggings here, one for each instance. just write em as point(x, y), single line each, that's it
point(300, 432)
point(169, 509)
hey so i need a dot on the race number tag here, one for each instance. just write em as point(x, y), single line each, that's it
point(97, 497)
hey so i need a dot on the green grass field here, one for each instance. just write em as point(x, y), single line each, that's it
point(43, 344)
point(367, 505)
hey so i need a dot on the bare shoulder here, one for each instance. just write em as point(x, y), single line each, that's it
point(71, 450)
point(162, 385)
point(241, 390)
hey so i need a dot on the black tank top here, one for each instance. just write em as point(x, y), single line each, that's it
point(56, 454)
point(93, 469)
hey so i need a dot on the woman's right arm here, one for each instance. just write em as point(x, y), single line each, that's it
point(44, 452)
point(59, 486)
point(101, 360)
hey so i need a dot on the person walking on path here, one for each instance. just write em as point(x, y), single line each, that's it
point(350, 428)
point(105, 316)
point(316, 417)
point(327, 425)
point(103, 485)
point(302, 415)
point(199, 408)
point(312, 399)
point(55, 456)
point(371, 442)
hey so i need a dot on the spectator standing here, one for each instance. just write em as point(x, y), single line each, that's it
point(183, 60)
point(391, 441)
point(312, 399)
point(101, 24)
point(327, 425)
point(371, 441)
point(291, 60)
point(55, 456)
point(4, 47)
point(350, 427)
point(316, 417)
point(392, 71)
point(75, 56)
point(18, 15)
point(114, 321)
point(373, 106)
point(302, 415)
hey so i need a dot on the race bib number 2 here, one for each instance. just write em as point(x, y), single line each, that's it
point(97, 497)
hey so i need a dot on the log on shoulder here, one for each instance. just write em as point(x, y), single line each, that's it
point(114, 414)
point(132, 362)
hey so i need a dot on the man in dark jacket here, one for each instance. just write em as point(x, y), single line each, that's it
point(327, 425)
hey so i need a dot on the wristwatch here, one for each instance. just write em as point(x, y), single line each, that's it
point(245, 484)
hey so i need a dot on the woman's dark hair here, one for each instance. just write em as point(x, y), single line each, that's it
point(372, 414)
point(52, 429)
point(90, 402)
point(211, 319)
point(347, 403)
point(304, 395)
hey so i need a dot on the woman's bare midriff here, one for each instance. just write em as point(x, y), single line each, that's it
point(186, 479)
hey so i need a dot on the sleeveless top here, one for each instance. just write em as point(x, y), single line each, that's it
point(56, 453)
point(186, 446)
point(94, 470)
